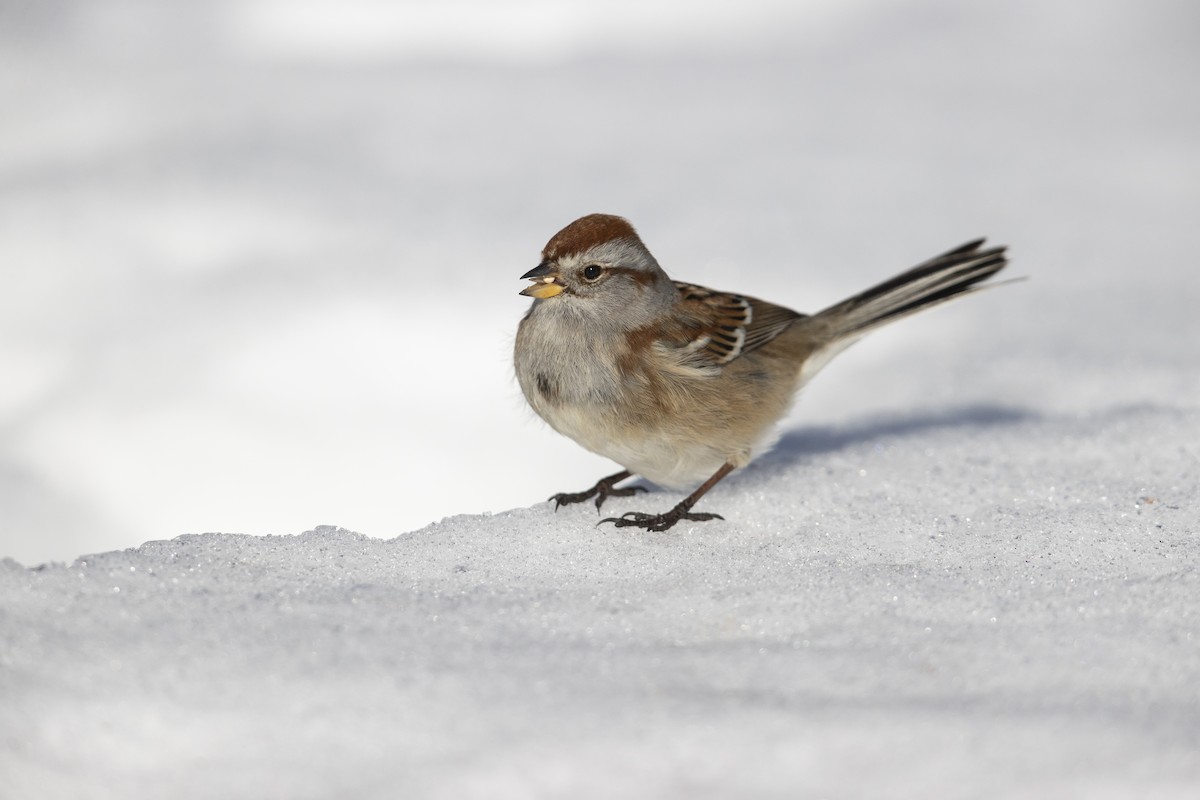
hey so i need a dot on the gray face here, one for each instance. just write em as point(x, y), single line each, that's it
point(611, 281)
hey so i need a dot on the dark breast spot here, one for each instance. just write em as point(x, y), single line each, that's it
point(547, 388)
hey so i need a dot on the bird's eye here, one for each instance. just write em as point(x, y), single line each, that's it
point(592, 271)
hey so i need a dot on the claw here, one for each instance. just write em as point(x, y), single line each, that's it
point(655, 522)
point(567, 498)
point(601, 491)
point(629, 491)
point(658, 522)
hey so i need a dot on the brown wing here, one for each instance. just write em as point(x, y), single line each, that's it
point(723, 326)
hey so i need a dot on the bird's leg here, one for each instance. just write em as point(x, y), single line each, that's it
point(662, 522)
point(601, 491)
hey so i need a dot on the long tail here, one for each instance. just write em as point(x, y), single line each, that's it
point(945, 277)
point(950, 275)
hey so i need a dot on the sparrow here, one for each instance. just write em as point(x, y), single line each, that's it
point(678, 383)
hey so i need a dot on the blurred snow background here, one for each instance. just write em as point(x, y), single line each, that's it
point(260, 264)
point(261, 258)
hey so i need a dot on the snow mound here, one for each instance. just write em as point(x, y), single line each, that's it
point(917, 607)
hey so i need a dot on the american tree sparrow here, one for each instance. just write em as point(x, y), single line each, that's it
point(678, 383)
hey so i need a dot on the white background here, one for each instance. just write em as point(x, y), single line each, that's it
point(261, 259)
point(259, 271)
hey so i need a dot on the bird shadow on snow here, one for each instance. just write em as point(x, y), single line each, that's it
point(801, 444)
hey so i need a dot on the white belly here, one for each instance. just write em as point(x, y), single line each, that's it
point(673, 461)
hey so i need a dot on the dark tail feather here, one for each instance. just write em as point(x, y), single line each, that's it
point(950, 275)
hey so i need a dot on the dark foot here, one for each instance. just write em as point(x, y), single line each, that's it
point(601, 491)
point(658, 522)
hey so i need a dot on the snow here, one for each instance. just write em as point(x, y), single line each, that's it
point(260, 276)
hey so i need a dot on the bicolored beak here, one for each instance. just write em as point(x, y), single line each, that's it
point(546, 282)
